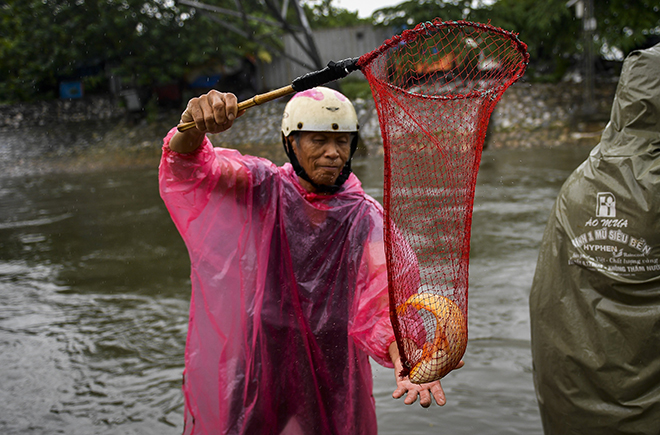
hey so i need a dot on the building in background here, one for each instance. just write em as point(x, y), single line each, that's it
point(332, 44)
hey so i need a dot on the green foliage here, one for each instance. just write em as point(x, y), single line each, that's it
point(409, 13)
point(150, 42)
point(551, 30)
point(355, 88)
point(626, 24)
point(153, 42)
point(146, 42)
point(323, 14)
point(548, 27)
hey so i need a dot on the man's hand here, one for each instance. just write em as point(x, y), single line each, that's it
point(425, 392)
point(212, 112)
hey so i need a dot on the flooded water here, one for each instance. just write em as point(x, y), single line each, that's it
point(94, 294)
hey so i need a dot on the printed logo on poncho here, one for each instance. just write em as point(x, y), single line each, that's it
point(606, 207)
point(609, 245)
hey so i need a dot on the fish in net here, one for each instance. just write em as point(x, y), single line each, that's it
point(435, 87)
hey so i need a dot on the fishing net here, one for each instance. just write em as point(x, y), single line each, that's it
point(435, 87)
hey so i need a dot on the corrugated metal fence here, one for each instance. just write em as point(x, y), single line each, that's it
point(332, 44)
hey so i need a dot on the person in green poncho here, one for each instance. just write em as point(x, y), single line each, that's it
point(595, 298)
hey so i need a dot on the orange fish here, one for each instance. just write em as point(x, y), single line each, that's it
point(445, 352)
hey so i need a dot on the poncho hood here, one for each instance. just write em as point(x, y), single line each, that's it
point(634, 127)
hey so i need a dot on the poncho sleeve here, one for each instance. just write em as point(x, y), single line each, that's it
point(187, 181)
point(371, 328)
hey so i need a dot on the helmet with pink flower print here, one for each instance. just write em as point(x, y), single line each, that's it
point(319, 109)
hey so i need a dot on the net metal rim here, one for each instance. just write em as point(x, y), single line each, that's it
point(435, 25)
point(491, 92)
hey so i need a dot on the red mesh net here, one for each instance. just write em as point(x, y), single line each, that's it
point(435, 87)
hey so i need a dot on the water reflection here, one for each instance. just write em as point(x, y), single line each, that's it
point(94, 294)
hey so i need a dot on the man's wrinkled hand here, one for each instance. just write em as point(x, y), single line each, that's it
point(212, 112)
point(425, 392)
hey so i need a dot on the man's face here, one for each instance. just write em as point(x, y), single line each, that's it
point(323, 154)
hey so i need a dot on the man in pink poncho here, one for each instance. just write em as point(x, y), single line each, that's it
point(289, 284)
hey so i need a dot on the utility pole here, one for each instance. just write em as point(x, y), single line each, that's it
point(585, 9)
point(589, 22)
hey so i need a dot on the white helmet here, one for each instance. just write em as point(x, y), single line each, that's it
point(319, 109)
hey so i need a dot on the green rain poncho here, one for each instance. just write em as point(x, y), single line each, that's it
point(595, 299)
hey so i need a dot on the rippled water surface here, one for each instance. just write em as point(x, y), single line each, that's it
point(94, 296)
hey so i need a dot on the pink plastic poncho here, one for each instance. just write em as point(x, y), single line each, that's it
point(289, 297)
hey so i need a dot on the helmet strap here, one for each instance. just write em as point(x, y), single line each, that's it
point(297, 167)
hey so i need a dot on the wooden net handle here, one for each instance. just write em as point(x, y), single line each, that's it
point(334, 71)
point(243, 105)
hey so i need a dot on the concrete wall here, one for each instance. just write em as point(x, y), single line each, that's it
point(51, 112)
point(548, 115)
point(526, 116)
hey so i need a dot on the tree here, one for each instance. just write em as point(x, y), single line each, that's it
point(626, 24)
point(409, 13)
point(265, 22)
point(554, 33)
point(550, 28)
point(324, 14)
point(43, 42)
point(151, 41)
